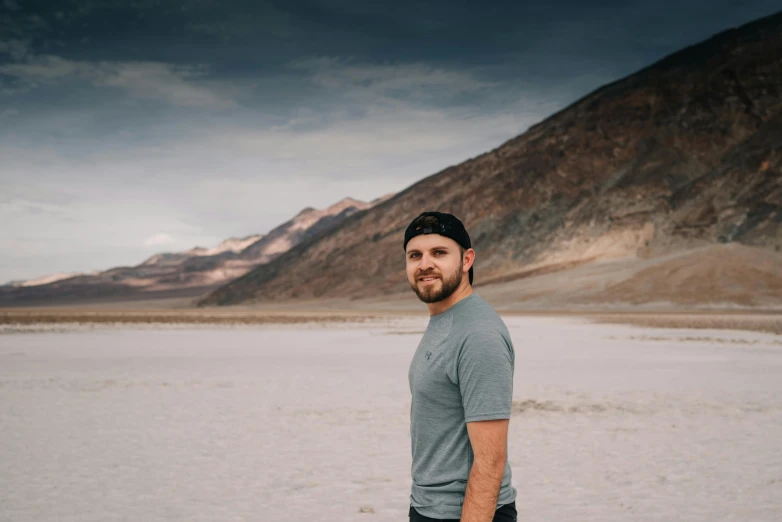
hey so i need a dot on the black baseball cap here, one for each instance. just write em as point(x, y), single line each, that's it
point(442, 224)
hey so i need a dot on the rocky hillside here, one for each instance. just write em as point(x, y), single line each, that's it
point(684, 154)
point(179, 274)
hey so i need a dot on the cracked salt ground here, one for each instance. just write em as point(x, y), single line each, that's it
point(307, 424)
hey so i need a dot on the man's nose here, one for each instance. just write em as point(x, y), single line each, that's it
point(426, 262)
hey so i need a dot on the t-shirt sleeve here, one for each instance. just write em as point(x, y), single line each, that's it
point(485, 376)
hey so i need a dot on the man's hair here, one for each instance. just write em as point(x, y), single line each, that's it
point(425, 221)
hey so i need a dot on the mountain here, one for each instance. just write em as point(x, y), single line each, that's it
point(233, 244)
point(180, 274)
point(634, 186)
point(305, 225)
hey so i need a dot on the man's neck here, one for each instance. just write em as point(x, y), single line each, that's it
point(464, 290)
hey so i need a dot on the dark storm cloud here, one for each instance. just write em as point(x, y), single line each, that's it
point(569, 43)
point(233, 35)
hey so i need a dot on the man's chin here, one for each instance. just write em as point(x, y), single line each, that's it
point(428, 295)
point(429, 299)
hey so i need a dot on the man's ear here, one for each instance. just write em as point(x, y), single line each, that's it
point(469, 259)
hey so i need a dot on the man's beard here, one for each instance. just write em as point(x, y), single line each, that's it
point(448, 286)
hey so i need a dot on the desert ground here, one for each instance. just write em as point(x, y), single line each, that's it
point(177, 312)
point(308, 420)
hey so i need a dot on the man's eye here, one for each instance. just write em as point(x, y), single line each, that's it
point(413, 256)
point(439, 252)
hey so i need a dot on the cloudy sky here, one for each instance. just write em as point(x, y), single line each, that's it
point(129, 127)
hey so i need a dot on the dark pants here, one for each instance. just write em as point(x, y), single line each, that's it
point(506, 513)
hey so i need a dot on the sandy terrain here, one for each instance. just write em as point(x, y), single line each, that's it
point(309, 422)
point(37, 319)
point(771, 323)
point(209, 316)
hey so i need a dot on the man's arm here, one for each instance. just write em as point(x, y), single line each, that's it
point(489, 441)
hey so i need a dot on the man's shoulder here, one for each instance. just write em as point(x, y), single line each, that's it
point(476, 308)
point(479, 316)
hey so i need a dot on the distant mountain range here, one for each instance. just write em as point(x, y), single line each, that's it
point(181, 274)
point(663, 187)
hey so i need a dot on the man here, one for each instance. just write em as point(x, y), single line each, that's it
point(461, 381)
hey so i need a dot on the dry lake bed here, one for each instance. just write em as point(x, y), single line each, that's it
point(309, 422)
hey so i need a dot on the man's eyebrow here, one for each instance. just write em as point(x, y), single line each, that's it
point(417, 251)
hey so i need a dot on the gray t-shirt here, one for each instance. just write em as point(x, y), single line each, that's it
point(461, 372)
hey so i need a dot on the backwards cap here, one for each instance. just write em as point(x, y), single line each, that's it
point(441, 224)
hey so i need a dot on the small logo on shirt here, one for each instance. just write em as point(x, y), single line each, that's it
point(428, 355)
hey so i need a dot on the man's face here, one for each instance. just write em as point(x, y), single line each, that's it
point(434, 267)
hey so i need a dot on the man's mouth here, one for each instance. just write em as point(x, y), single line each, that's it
point(428, 279)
